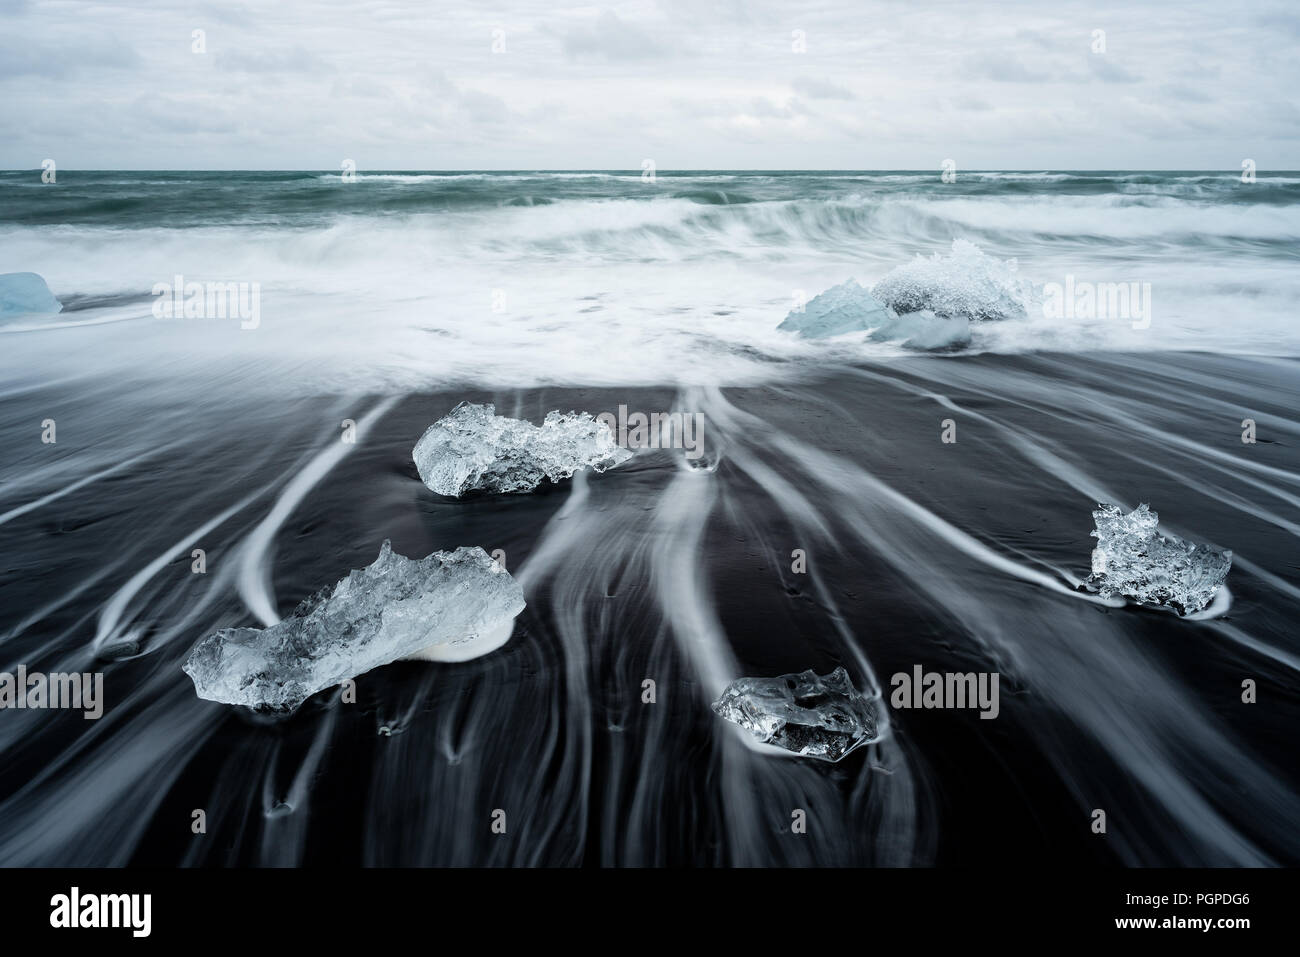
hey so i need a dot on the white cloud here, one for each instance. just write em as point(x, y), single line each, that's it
point(407, 84)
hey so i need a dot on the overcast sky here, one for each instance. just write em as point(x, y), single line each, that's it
point(292, 84)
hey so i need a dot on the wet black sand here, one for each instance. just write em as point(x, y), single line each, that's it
point(655, 571)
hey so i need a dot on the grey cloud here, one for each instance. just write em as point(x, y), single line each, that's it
point(677, 79)
point(171, 116)
point(484, 107)
point(362, 87)
point(1180, 92)
point(820, 89)
point(1036, 38)
point(226, 13)
point(1108, 70)
point(762, 106)
point(20, 56)
point(475, 105)
point(435, 81)
point(1202, 71)
point(612, 38)
point(1287, 21)
point(1001, 67)
point(278, 60)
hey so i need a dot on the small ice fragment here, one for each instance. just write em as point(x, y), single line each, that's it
point(391, 609)
point(26, 292)
point(965, 285)
point(1134, 561)
point(847, 307)
point(813, 716)
point(474, 448)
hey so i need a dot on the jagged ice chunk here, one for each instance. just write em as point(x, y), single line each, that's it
point(813, 716)
point(965, 285)
point(1134, 561)
point(474, 448)
point(394, 608)
point(847, 307)
point(925, 331)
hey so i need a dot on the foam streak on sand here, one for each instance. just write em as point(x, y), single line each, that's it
point(254, 563)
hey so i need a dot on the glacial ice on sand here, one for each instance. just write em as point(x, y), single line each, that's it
point(1134, 561)
point(474, 448)
point(25, 292)
point(811, 715)
point(847, 307)
point(924, 331)
point(968, 284)
point(395, 608)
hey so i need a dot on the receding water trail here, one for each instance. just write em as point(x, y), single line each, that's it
point(254, 565)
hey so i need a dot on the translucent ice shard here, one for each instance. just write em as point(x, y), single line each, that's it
point(924, 331)
point(847, 307)
point(965, 285)
point(813, 716)
point(26, 292)
point(1134, 561)
point(395, 608)
point(474, 448)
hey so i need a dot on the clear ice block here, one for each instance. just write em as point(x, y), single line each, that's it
point(847, 307)
point(474, 448)
point(968, 284)
point(394, 608)
point(1134, 561)
point(811, 715)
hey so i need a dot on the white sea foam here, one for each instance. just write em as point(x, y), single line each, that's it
point(632, 290)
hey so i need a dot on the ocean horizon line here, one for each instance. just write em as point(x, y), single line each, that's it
point(661, 171)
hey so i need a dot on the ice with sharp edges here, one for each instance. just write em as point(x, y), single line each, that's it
point(394, 608)
point(847, 307)
point(474, 448)
point(968, 284)
point(1134, 561)
point(26, 292)
point(925, 331)
point(811, 715)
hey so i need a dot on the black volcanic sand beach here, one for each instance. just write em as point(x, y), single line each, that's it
point(955, 557)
